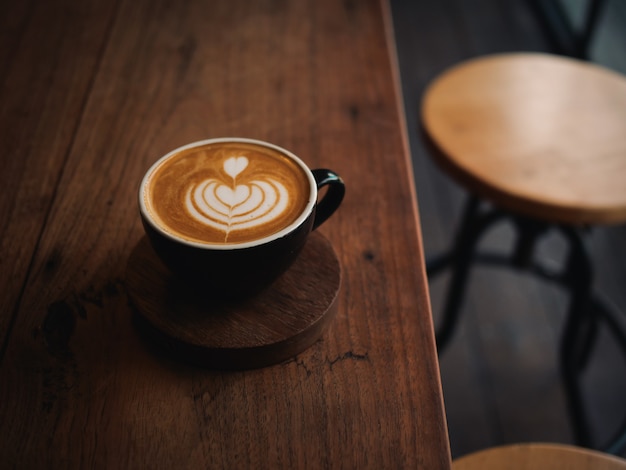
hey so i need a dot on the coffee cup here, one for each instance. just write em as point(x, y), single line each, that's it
point(229, 215)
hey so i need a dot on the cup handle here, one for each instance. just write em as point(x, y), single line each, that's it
point(333, 197)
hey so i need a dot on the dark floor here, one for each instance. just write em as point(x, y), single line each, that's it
point(500, 376)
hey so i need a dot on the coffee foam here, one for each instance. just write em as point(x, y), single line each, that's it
point(226, 193)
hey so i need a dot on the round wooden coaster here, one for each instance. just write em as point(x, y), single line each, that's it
point(274, 325)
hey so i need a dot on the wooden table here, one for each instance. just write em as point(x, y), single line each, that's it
point(90, 94)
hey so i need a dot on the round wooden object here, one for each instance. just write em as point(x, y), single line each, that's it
point(539, 457)
point(270, 327)
point(538, 134)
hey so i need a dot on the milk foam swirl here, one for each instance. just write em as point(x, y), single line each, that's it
point(228, 206)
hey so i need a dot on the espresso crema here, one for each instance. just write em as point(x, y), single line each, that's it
point(226, 192)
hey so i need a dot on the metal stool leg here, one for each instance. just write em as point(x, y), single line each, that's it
point(585, 309)
point(460, 259)
point(437, 264)
point(607, 312)
point(573, 342)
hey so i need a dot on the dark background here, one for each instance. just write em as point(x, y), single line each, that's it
point(499, 373)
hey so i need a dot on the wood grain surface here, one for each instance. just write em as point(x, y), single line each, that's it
point(537, 133)
point(91, 93)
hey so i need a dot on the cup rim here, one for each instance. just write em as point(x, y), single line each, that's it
point(145, 213)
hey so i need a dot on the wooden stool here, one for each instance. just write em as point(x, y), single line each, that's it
point(538, 457)
point(543, 139)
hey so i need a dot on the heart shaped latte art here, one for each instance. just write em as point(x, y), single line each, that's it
point(233, 197)
point(228, 206)
point(235, 165)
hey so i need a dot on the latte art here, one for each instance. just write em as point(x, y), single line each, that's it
point(227, 192)
point(231, 206)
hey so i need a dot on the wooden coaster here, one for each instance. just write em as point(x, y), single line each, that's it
point(274, 325)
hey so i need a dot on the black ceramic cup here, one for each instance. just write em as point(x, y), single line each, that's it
point(242, 266)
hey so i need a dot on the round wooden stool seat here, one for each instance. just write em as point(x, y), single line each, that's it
point(541, 135)
point(539, 457)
